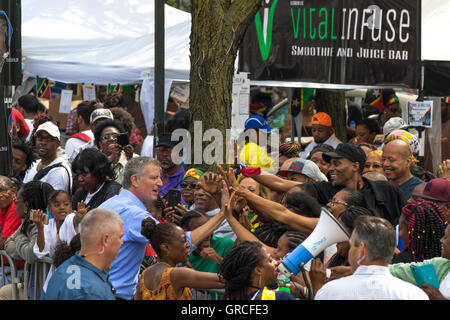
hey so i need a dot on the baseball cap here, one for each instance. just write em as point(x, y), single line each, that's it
point(436, 189)
point(321, 118)
point(50, 128)
point(101, 114)
point(352, 152)
point(392, 124)
point(257, 122)
point(306, 167)
point(165, 140)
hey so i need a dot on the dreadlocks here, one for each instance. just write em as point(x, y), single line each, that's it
point(269, 233)
point(426, 226)
point(237, 267)
point(290, 149)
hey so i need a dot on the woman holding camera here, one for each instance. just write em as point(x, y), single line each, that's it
point(112, 139)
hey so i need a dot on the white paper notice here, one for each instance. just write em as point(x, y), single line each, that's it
point(419, 113)
point(66, 101)
point(88, 92)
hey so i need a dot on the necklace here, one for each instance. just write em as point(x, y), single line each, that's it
point(165, 263)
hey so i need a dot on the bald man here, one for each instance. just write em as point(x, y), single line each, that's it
point(85, 276)
point(396, 160)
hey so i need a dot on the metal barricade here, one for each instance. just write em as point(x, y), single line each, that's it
point(14, 278)
point(205, 294)
point(40, 270)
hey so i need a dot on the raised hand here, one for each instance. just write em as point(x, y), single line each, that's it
point(38, 217)
point(229, 178)
point(81, 210)
point(210, 182)
point(444, 169)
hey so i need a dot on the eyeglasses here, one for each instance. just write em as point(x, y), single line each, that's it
point(109, 136)
point(185, 185)
point(373, 165)
point(334, 202)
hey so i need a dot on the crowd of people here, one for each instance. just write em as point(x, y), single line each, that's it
point(106, 215)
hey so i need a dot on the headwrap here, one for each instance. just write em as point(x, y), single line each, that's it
point(195, 173)
point(406, 136)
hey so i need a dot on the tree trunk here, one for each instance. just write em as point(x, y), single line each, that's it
point(217, 30)
point(333, 103)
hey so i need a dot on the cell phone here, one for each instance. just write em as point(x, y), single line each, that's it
point(123, 139)
point(425, 274)
point(46, 217)
point(173, 197)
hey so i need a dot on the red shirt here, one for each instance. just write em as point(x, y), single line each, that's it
point(9, 223)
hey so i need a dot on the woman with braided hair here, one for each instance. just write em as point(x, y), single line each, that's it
point(247, 269)
point(288, 150)
point(165, 280)
point(422, 225)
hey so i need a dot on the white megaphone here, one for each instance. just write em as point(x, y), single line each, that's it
point(327, 232)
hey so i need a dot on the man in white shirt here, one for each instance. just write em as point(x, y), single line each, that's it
point(51, 168)
point(322, 131)
point(96, 116)
point(85, 134)
point(372, 247)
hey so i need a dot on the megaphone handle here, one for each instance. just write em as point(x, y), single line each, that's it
point(307, 283)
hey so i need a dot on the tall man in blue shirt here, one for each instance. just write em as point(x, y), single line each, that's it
point(141, 182)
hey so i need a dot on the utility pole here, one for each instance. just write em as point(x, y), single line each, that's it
point(10, 75)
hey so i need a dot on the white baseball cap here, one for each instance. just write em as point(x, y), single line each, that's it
point(50, 128)
point(392, 124)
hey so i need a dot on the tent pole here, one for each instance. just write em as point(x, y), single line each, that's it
point(159, 67)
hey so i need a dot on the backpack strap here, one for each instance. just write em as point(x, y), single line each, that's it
point(43, 172)
point(81, 136)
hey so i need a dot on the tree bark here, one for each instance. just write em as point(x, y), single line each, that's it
point(333, 103)
point(218, 27)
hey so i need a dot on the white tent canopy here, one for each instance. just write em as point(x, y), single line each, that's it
point(101, 41)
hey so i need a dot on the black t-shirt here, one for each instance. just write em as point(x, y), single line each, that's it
point(108, 190)
point(383, 196)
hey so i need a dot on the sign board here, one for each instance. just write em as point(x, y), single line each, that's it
point(345, 42)
point(89, 92)
point(419, 113)
point(240, 103)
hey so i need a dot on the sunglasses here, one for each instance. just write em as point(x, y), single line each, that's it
point(109, 136)
point(375, 166)
point(185, 185)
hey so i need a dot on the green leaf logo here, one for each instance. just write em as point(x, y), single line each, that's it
point(265, 34)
